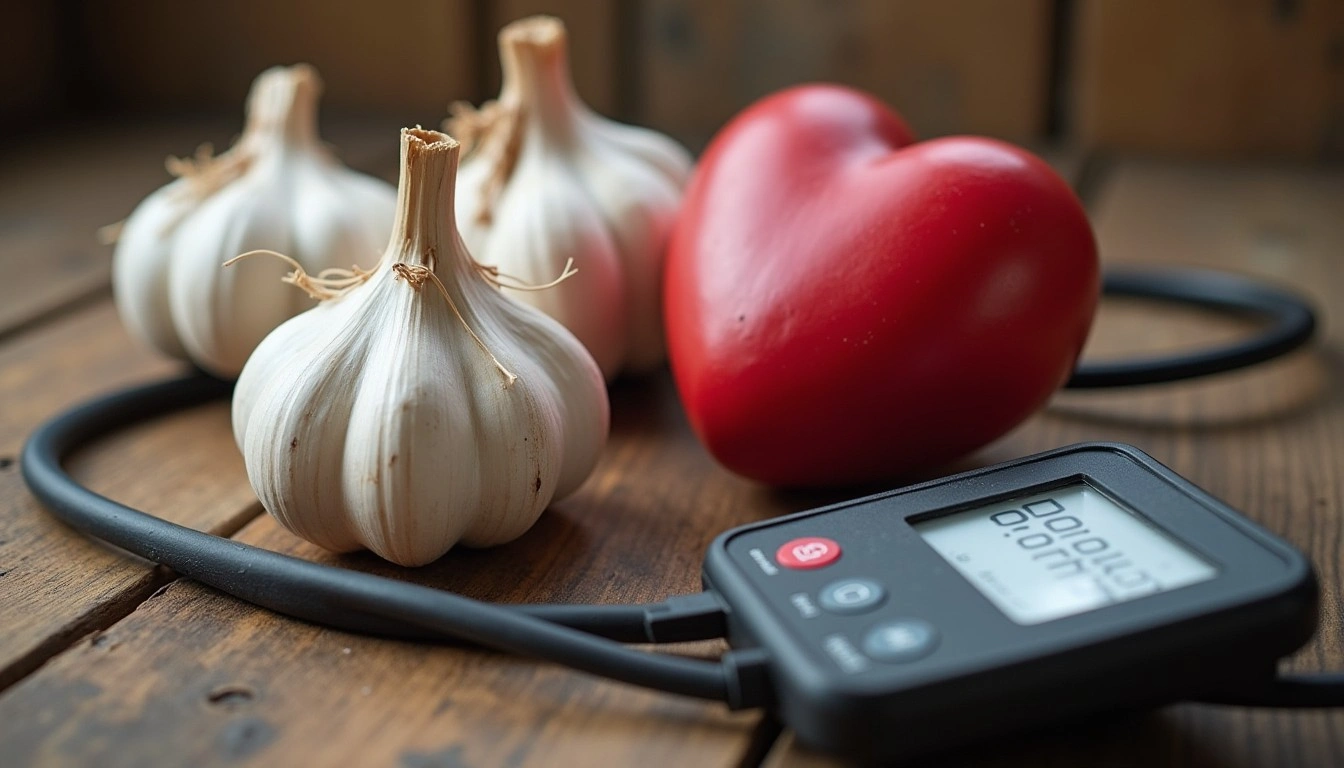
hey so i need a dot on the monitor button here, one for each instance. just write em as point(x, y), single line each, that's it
point(851, 596)
point(900, 641)
point(807, 553)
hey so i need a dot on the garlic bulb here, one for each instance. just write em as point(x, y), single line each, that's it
point(550, 180)
point(417, 406)
point(276, 187)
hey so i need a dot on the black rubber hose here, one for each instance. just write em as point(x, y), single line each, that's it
point(1292, 323)
point(334, 597)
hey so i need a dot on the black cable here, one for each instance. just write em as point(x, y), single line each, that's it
point(348, 599)
point(1315, 690)
point(1292, 323)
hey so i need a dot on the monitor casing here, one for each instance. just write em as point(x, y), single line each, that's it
point(990, 676)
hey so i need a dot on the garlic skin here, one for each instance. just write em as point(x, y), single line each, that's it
point(390, 419)
point(551, 180)
point(277, 187)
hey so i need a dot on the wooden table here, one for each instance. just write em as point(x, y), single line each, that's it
point(106, 660)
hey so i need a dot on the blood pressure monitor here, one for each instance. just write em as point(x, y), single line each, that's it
point(1085, 579)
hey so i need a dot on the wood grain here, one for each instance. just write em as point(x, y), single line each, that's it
point(54, 584)
point(192, 675)
point(635, 532)
point(410, 57)
point(969, 66)
point(594, 58)
point(60, 187)
point(1210, 77)
point(1269, 441)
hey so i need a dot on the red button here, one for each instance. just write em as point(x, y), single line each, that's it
point(806, 553)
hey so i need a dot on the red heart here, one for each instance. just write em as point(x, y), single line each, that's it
point(845, 306)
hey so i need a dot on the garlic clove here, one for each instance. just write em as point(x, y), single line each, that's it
point(555, 349)
point(289, 347)
point(668, 157)
point(601, 187)
point(416, 406)
point(397, 395)
point(323, 198)
point(243, 304)
point(594, 300)
point(291, 437)
point(638, 226)
point(277, 187)
point(140, 270)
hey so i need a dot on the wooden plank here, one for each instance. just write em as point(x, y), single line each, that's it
point(593, 53)
point(60, 187)
point(192, 674)
point(55, 585)
point(1213, 77)
point(635, 532)
point(1269, 441)
point(410, 57)
point(968, 66)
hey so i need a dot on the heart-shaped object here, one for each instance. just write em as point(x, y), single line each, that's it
point(844, 305)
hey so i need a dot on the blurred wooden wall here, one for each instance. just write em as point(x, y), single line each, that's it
point(1195, 77)
point(1210, 77)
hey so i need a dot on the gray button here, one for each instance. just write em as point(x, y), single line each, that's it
point(901, 640)
point(852, 596)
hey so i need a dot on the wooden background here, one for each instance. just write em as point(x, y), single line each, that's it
point(1196, 132)
point(1196, 77)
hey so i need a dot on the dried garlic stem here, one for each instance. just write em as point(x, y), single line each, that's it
point(416, 275)
point(109, 234)
point(334, 282)
point(330, 283)
point(495, 128)
point(496, 278)
point(282, 104)
point(206, 172)
point(470, 125)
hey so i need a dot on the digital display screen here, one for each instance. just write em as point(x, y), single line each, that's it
point(1061, 553)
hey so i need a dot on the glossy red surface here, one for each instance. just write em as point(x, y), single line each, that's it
point(844, 305)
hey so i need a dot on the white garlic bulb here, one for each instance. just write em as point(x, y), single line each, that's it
point(277, 187)
point(417, 406)
point(550, 180)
